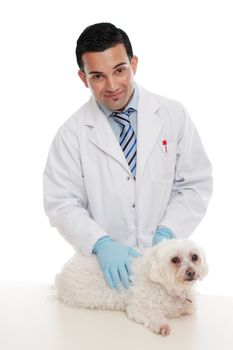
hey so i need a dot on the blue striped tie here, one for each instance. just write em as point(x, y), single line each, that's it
point(127, 139)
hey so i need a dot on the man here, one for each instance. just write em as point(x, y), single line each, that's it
point(128, 168)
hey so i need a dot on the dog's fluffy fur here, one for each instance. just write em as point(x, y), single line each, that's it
point(161, 288)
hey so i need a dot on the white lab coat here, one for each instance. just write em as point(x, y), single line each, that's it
point(88, 188)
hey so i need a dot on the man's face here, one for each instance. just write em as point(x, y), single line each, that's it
point(110, 76)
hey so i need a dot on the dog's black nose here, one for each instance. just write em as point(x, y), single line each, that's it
point(190, 273)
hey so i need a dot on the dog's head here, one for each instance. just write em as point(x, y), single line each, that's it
point(177, 263)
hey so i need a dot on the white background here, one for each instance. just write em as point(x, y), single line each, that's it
point(185, 53)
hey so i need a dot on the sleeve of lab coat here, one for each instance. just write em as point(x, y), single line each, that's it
point(192, 187)
point(65, 199)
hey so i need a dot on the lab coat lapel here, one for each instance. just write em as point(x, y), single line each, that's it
point(101, 134)
point(149, 126)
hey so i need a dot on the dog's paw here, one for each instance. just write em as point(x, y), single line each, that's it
point(164, 330)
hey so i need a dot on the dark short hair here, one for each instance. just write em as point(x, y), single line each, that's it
point(100, 37)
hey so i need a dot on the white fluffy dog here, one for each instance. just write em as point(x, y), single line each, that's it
point(161, 287)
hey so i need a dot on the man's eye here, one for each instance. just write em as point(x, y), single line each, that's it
point(175, 260)
point(97, 77)
point(120, 70)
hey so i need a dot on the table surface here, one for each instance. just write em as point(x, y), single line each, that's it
point(30, 319)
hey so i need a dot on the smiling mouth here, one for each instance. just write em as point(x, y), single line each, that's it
point(115, 95)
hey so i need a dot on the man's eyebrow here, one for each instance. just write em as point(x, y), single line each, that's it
point(95, 72)
point(98, 72)
point(119, 64)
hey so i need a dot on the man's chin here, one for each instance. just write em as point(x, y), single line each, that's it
point(116, 105)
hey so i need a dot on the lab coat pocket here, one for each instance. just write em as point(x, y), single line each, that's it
point(167, 148)
point(162, 162)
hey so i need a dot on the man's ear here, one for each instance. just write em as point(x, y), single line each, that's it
point(83, 77)
point(134, 63)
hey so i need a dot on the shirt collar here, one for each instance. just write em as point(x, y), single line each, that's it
point(133, 103)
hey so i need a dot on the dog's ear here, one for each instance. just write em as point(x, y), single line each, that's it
point(204, 266)
point(155, 272)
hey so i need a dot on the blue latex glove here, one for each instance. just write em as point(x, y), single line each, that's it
point(161, 233)
point(115, 261)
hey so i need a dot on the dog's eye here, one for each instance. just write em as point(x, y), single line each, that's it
point(194, 257)
point(175, 260)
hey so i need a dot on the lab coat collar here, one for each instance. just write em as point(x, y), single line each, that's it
point(149, 126)
point(101, 134)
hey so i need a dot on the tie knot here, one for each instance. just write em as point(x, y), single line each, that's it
point(128, 111)
point(123, 117)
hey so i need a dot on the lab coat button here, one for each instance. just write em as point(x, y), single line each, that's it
point(133, 205)
point(128, 178)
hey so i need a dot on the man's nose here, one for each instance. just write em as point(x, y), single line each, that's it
point(111, 84)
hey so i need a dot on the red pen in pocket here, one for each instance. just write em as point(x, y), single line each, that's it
point(165, 145)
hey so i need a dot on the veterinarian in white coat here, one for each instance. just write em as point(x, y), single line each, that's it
point(89, 191)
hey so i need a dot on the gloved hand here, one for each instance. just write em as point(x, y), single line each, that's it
point(161, 233)
point(115, 261)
